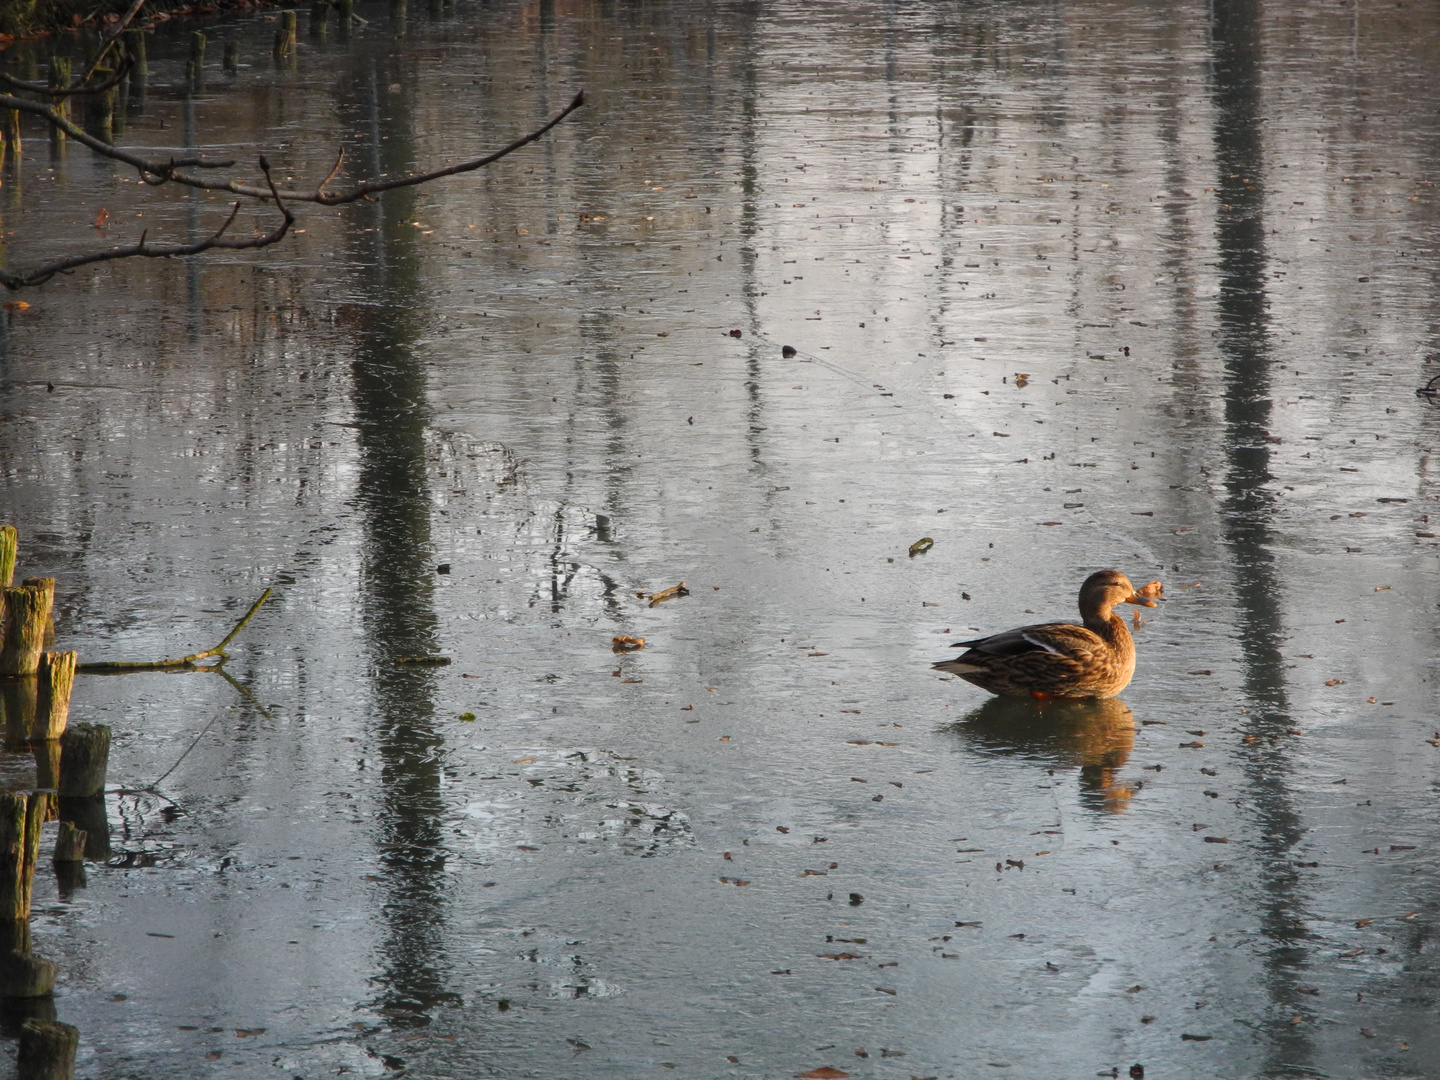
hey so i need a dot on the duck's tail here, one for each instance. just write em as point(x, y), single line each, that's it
point(957, 667)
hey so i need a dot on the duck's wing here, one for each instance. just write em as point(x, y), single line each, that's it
point(1059, 639)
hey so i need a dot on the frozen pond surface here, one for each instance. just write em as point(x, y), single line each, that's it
point(773, 840)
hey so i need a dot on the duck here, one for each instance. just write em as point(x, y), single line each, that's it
point(1061, 660)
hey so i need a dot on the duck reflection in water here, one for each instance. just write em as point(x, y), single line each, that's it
point(1096, 734)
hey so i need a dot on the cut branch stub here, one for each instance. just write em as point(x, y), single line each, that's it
point(22, 630)
point(84, 757)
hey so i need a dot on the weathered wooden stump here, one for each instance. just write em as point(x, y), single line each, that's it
point(232, 56)
point(195, 66)
point(100, 109)
point(54, 679)
point(84, 757)
point(89, 815)
point(25, 975)
point(17, 870)
point(47, 1051)
point(47, 772)
point(26, 619)
point(57, 79)
point(69, 843)
point(135, 49)
point(18, 703)
point(287, 35)
point(319, 17)
point(9, 537)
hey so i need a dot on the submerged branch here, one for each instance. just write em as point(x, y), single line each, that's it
point(183, 661)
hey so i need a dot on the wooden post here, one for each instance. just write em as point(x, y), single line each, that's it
point(47, 773)
point(346, 11)
point(69, 843)
point(232, 56)
point(319, 17)
point(286, 36)
point(10, 131)
point(47, 1051)
point(17, 701)
point(20, 818)
point(58, 79)
point(195, 68)
point(398, 10)
point(22, 631)
point(25, 975)
point(135, 49)
point(84, 757)
point(55, 677)
point(12, 857)
point(9, 548)
point(100, 109)
point(89, 816)
point(37, 809)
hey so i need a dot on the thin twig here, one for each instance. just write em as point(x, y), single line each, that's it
point(339, 160)
point(183, 661)
point(182, 757)
point(168, 171)
point(156, 172)
point(142, 249)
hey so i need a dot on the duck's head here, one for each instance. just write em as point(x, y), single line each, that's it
point(1106, 588)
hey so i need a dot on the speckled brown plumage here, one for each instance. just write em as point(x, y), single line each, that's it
point(1059, 660)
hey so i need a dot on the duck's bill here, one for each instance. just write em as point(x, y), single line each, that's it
point(1139, 601)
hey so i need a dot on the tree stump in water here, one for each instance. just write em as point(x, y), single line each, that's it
point(69, 843)
point(20, 819)
point(84, 757)
point(17, 703)
point(89, 816)
point(25, 975)
point(47, 1050)
point(55, 677)
point(23, 628)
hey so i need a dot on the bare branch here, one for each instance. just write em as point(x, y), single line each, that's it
point(126, 63)
point(359, 191)
point(146, 166)
point(142, 249)
point(156, 172)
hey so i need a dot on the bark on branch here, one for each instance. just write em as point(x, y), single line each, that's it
point(156, 171)
point(116, 666)
point(143, 249)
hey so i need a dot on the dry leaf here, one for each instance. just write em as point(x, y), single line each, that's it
point(824, 1072)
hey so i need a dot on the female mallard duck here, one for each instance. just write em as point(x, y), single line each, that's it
point(1061, 660)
